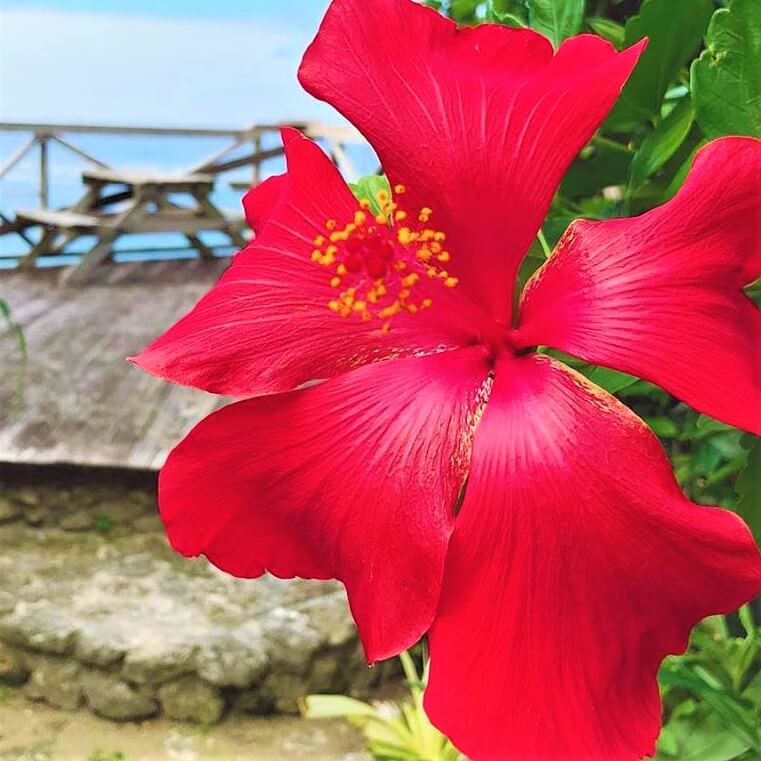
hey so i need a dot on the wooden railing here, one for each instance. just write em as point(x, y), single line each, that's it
point(247, 141)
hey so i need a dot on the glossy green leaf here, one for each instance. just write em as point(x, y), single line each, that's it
point(726, 79)
point(662, 143)
point(610, 30)
point(748, 487)
point(674, 29)
point(556, 19)
point(366, 188)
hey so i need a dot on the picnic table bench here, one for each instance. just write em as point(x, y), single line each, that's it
point(117, 202)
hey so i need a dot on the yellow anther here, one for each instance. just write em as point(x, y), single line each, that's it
point(399, 189)
point(444, 256)
point(319, 240)
point(404, 235)
point(335, 281)
point(316, 255)
point(386, 328)
point(382, 197)
point(390, 311)
point(400, 216)
point(410, 279)
point(364, 204)
point(427, 303)
point(381, 219)
point(334, 305)
point(339, 235)
point(360, 218)
point(439, 236)
point(411, 308)
point(331, 224)
point(328, 259)
point(359, 306)
point(451, 282)
point(340, 269)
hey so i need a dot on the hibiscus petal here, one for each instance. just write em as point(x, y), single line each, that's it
point(259, 202)
point(266, 326)
point(660, 296)
point(575, 566)
point(478, 123)
point(354, 479)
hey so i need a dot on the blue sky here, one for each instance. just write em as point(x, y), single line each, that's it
point(156, 62)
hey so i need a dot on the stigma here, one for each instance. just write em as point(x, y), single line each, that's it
point(381, 263)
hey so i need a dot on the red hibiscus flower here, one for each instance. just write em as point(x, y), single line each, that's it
point(457, 482)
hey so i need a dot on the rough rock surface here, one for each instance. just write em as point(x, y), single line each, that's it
point(191, 699)
point(113, 617)
point(110, 697)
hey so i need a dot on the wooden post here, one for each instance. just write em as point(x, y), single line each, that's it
point(44, 188)
point(257, 169)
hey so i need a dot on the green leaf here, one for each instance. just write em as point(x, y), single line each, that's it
point(609, 30)
point(556, 19)
point(336, 706)
point(726, 79)
point(464, 11)
point(680, 175)
point(506, 12)
point(602, 163)
point(663, 427)
point(611, 380)
point(748, 488)
point(366, 189)
point(661, 144)
point(675, 29)
point(688, 740)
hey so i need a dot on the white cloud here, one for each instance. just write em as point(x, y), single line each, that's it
point(127, 69)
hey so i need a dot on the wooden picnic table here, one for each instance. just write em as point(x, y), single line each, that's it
point(122, 202)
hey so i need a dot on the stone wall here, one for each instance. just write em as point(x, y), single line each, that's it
point(97, 611)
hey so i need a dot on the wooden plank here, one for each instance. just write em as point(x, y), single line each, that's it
point(82, 403)
point(135, 177)
point(182, 223)
point(64, 219)
point(185, 221)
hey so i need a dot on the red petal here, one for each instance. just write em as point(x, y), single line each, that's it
point(479, 123)
point(660, 296)
point(266, 325)
point(354, 479)
point(576, 565)
point(259, 202)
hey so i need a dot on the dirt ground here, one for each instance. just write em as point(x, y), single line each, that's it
point(34, 732)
